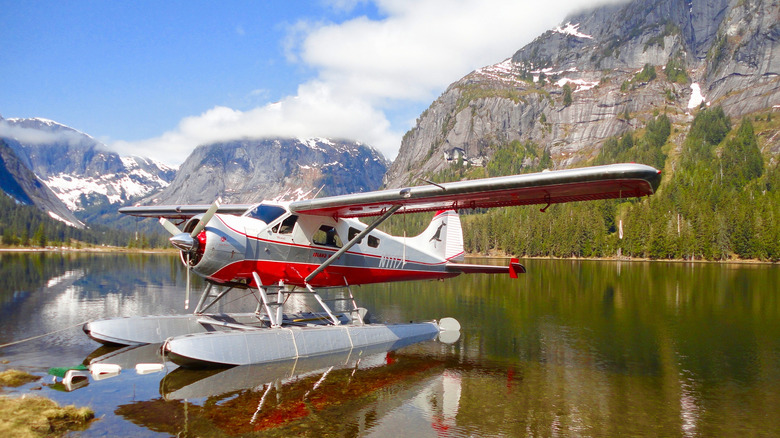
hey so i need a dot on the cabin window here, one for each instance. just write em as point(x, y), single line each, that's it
point(352, 233)
point(286, 226)
point(373, 242)
point(266, 213)
point(327, 236)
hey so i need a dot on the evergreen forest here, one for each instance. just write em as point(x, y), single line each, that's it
point(27, 226)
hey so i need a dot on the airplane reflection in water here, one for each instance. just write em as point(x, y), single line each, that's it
point(353, 390)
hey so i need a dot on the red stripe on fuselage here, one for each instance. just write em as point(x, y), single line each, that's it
point(294, 273)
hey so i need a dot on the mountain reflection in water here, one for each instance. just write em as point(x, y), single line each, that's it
point(570, 348)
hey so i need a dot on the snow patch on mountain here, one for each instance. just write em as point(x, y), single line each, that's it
point(135, 182)
point(696, 97)
point(573, 30)
point(580, 84)
point(57, 217)
point(506, 72)
point(315, 142)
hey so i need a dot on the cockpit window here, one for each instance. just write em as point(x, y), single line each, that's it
point(327, 236)
point(266, 213)
point(352, 233)
point(286, 226)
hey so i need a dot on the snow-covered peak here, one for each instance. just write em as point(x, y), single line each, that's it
point(314, 143)
point(47, 123)
point(134, 161)
point(36, 119)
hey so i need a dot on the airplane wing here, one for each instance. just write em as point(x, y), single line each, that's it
point(183, 211)
point(549, 187)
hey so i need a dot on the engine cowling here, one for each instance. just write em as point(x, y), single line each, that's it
point(217, 246)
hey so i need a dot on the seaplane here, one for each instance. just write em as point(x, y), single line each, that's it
point(276, 249)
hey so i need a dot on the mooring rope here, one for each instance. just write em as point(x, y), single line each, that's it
point(45, 334)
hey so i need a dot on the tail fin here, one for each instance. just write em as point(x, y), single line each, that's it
point(444, 236)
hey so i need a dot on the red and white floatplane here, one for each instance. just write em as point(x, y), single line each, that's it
point(276, 249)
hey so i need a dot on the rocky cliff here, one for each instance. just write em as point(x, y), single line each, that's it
point(246, 171)
point(601, 73)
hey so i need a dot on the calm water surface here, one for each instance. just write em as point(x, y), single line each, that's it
point(573, 348)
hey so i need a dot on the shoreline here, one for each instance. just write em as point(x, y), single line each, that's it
point(115, 249)
point(101, 250)
point(625, 259)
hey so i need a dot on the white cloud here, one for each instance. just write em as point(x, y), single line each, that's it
point(313, 112)
point(40, 136)
point(366, 67)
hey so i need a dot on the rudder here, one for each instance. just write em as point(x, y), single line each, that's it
point(444, 236)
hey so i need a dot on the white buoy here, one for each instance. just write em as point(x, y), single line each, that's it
point(102, 371)
point(147, 368)
point(75, 379)
point(449, 324)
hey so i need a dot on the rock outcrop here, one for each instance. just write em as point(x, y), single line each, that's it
point(247, 171)
point(583, 82)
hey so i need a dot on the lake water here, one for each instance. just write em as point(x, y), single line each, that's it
point(571, 348)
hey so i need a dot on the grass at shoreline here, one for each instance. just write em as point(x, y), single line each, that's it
point(40, 417)
point(37, 416)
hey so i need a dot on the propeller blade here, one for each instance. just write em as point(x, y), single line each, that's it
point(173, 229)
point(205, 219)
point(187, 296)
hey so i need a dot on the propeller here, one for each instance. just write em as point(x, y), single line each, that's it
point(205, 219)
point(173, 229)
point(187, 242)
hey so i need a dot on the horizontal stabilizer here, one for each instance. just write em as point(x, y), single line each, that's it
point(512, 269)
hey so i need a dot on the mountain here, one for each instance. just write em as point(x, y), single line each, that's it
point(95, 182)
point(602, 73)
point(246, 171)
point(19, 183)
point(79, 169)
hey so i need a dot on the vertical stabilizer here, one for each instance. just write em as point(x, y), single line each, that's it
point(444, 236)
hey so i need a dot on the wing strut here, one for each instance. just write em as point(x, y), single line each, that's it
point(352, 242)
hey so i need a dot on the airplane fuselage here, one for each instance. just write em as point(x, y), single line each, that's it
point(287, 248)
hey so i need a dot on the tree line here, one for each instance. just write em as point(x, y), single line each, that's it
point(27, 226)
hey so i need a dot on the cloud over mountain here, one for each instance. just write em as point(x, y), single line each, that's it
point(373, 75)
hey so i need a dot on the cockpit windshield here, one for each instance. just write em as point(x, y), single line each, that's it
point(266, 213)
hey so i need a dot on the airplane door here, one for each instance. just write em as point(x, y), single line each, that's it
point(281, 241)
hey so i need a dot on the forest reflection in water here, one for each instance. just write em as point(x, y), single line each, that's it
point(571, 348)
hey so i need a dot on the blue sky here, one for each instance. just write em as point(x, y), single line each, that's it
point(159, 78)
